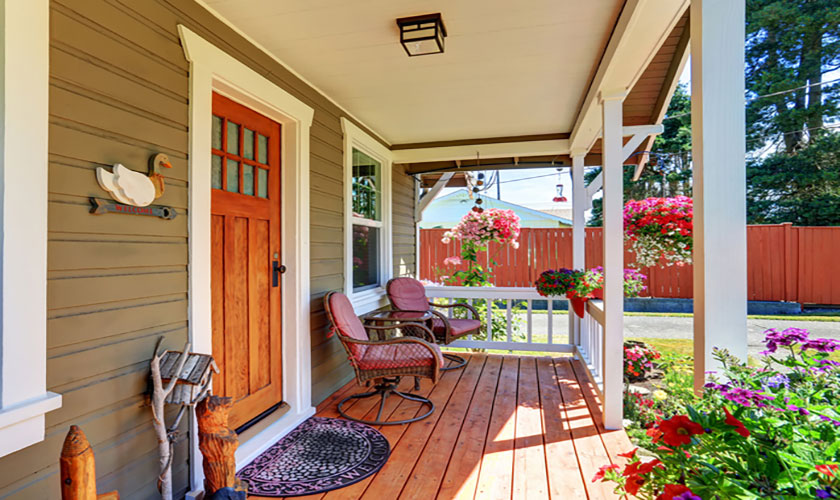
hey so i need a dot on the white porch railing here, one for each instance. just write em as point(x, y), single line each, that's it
point(523, 328)
point(519, 327)
point(590, 342)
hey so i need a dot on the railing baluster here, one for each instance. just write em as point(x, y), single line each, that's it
point(490, 320)
point(550, 320)
point(530, 324)
point(508, 320)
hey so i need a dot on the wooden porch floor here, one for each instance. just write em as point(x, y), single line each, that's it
point(504, 427)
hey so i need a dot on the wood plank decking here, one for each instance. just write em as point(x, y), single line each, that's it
point(505, 427)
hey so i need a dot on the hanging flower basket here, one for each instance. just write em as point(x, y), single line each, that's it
point(660, 229)
point(575, 285)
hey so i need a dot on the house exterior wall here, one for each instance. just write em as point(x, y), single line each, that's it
point(119, 93)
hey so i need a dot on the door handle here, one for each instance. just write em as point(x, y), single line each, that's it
point(277, 269)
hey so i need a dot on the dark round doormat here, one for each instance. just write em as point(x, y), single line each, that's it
point(321, 454)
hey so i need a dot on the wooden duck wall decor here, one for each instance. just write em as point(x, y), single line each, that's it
point(134, 188)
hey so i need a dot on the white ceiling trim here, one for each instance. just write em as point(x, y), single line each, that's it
point(642, 28)
point(261, 47)
point(494, 150)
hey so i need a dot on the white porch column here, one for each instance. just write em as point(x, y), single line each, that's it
point(580, 201)
point(720, 233)
point(613, 160)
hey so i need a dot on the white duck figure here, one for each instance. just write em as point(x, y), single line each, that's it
point(133, 188)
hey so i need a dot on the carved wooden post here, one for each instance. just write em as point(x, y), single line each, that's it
point(78, 469)
point(217, 443)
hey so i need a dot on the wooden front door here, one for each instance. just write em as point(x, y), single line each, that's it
point(245, 281)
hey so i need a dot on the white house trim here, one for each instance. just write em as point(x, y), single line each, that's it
point(24, 103)
point(493, 150)
point(211, 69)
point(356, 138)
point(642, 28)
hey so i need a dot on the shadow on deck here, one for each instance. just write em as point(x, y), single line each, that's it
point(504, 427)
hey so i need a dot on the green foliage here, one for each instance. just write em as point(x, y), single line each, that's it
point(802, 188)
point(757, 432)
point(790, 44)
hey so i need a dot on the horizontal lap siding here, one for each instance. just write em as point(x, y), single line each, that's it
point(404, 229)
point(119, 93)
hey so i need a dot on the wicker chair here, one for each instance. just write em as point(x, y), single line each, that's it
point(384, 361)
point(408, 294)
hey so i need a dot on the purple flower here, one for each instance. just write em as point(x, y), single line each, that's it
point(717, 387)
point(688, 495)
point(774, 339)
point(776, 381)
point(821, 345)
point(801, 411)
point(746, 397)
point(826, 493)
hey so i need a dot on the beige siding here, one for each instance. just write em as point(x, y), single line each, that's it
point(119, 93)
point(405, 240)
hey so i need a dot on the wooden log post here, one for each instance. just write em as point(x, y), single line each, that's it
point(78, 469)
point(217, 443)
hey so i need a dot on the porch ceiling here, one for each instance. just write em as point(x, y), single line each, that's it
point(510, 68)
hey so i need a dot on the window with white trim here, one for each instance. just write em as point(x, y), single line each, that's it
point(368, 252)
point(366, 193)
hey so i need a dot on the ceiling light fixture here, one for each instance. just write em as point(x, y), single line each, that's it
point(422, 35)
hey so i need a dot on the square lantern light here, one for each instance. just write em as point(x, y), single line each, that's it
point(422, 35)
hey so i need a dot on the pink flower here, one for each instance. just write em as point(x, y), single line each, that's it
point(452, 261)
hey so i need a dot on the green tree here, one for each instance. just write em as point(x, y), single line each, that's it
point(790, 44)
point(803, 188)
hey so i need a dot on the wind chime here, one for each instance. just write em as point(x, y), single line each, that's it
point(559, 198)
point(477, 208)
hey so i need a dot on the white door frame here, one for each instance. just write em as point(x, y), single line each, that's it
point(213, 70)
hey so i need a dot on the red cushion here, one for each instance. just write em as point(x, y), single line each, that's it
point(459, 326)
point(402, 355)
point(347, 323)
point(407, 294)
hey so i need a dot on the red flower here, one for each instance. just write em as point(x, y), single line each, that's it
point(675, 490)
point(739, 426)
point(641, 468)
point(677, 430)
point(828, 469)
point(599, 476)
point(633, 484)
point(655, 434)
point(629, 454)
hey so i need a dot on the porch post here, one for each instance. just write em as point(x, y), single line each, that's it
point(612, 169)
point(579, 203)
point(720, 233)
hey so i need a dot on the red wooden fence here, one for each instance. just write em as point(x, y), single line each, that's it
point(784, 263)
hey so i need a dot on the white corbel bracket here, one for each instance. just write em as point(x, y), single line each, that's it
point(427, 198)
point(637, 134)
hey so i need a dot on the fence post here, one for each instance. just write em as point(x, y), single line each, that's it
point(791, 264)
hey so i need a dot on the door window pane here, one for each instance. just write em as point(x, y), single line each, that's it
point(233, 138)
point(262, 149)
point(248, 143)
point(232, 176)
point(247, 179)
point(262, 183)
point(216, 172)
point(365, 257)
point(217, 132)
point(366, 189)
